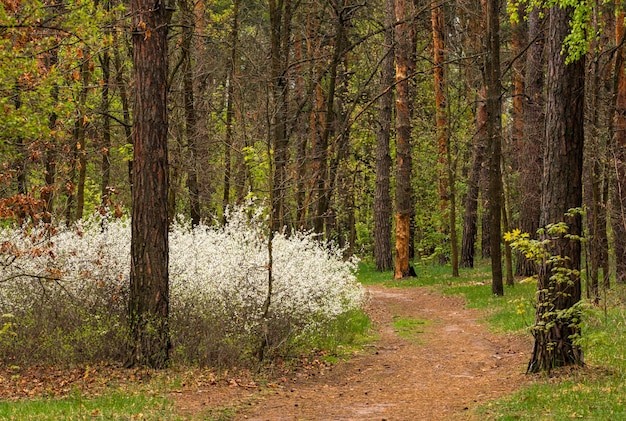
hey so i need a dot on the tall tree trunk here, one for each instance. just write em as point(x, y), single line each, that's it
point(149, 287)
point(618, 220)
point(404, 205)
point(494, 137)
point(78, 160)
point(47, 192)
point(121, 86)
point(105, 147)
point(382, 196)
point(445, 176)
point(230, 106)
point(556, 327)
point(20, 162)
point(191, 123)
point(595, 156)
point(331, 120)
point(280, 21)
point(531, 150)
point(301, 137)
point(470, 220)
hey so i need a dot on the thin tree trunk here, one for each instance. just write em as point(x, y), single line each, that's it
point(47, 192)
point(445, 176)
point(105, 149)
point(470, 220)
point(494, 136)
point(618, 220)
point(191, 123)
point(230, 107)
point(330, 121)
point(280, 21)
point(121, 86)
point(301, 139)
point(78, 160)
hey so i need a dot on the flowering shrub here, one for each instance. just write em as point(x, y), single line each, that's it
point(218, 284)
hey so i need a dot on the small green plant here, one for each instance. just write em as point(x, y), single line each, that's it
point(559, 308)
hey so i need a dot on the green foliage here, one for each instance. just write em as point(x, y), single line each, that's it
point(582, 33)
point(562, 276)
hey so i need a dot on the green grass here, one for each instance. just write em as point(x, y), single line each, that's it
point(428, 274)
point(116, 405)
point(408, 328)
point(343, 336)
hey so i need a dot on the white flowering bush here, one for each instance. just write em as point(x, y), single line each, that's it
point(218, 284)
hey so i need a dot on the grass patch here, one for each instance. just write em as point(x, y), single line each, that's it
point(510, 313)
point(428, 274)
point(117, 405)
point(342, 337)
point(408, 328)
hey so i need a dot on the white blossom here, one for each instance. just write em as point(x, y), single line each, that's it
point(210, 267)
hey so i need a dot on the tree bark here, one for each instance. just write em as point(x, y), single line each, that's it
point(531, 151)
point(445, 166)
point(149, 288)
point(191, 123)
point(403, 140)
point(470, 220)
point(555, 329)
point(230, 107)
point(494, 137)
point(382, 197)
point(280, 21)
point(618, 220)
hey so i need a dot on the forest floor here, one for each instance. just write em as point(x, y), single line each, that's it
point(432, 359)
point(439, 367)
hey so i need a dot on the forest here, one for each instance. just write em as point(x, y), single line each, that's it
point(399, 132)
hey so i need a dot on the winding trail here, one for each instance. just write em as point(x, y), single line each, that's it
point(440, 374)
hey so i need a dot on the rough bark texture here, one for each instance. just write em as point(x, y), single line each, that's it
point(561, 191)
point(494, 137)
point(403, 136)
point(149, 288)
point(470, 220)
point(280, 20)
point(191, 125)
point(441, 120)
point(531, 150)
point(382, 199)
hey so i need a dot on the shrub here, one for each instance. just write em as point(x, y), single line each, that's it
point(67, 290)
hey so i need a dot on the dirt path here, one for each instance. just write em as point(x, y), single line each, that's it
point(453, 365)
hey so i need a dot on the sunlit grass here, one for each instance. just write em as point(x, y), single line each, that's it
point(116, 405)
